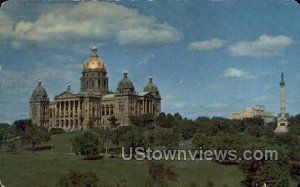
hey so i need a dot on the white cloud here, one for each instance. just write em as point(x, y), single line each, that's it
point(236, 73)
point(264, 46)
point(25, 79)
point(261, 98)
point(214, 43)
point(98, 20)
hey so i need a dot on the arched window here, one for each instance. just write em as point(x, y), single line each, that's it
point(107, 110)
point(103, 110)
point(111, 109)
point(93, 111)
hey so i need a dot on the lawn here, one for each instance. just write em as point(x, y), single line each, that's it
point(30, 170)
point(43, 168)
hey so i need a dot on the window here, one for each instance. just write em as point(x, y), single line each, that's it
point(93, 111)
point(121, 107)
point(107, 110)
point(111, 109)
point(102, 110)
point(34, 111)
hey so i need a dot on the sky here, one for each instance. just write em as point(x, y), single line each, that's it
point(208, 57)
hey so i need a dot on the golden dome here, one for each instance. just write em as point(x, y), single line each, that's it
point(94, 62)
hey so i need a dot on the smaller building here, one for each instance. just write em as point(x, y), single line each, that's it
point(251, 112)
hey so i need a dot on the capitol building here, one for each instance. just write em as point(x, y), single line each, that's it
point(95, 105)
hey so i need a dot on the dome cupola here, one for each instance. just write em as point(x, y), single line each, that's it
point(151, 87)
point(39, 93)
point(93, 62)
point(125, 85)
point(94, 76)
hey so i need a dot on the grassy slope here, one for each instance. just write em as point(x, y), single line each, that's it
point(38, 170)
point(44, 168)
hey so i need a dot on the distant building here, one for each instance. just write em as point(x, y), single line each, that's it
point(251, 112)
point(95, 105)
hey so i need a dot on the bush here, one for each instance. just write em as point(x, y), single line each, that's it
point(87, 144)
point(168, 138)
point(80, 179)
point(57, 131)
point(35, 135)
point(160, 174)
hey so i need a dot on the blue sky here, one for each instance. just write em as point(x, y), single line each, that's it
point(208, 58)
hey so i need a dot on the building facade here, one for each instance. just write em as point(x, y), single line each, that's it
point(251, 112)
point(94, 105)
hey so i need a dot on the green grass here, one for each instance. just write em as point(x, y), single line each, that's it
point(44, 168)
point(61, 142)
point(40, 170)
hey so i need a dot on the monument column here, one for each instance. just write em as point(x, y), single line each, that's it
point(282, 121)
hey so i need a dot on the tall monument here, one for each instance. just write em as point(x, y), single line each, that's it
point(282, 122)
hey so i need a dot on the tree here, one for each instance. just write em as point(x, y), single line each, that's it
point(201, 140)
point(294, 124)
point(295, 172)
point(20, 126)
point(113, 121)
point(134, 138)
point(177, 117)
point(87, 144)
point(166, 121)
point(168, 138)
point(254, 126)
point(160, 174)
point(145, 120)
point(5, 133)
point(35, 135)
point(202, 119)
point(79, 179)
point(186, 128)
point(272, 174)
point(117, 135)
point(104, 133)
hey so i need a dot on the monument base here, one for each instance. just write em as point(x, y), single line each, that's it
point(282, 126)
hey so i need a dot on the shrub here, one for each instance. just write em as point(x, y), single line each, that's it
point(80, 179)
point(57, 131)
point(87, 144)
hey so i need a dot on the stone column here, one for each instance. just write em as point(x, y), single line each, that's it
point(66, 109)
point(282, 96)
point(282, 122)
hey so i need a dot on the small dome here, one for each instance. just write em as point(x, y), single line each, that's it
point(125, 83)
point(151, 87)
point(39, 93)
point(93, 62)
